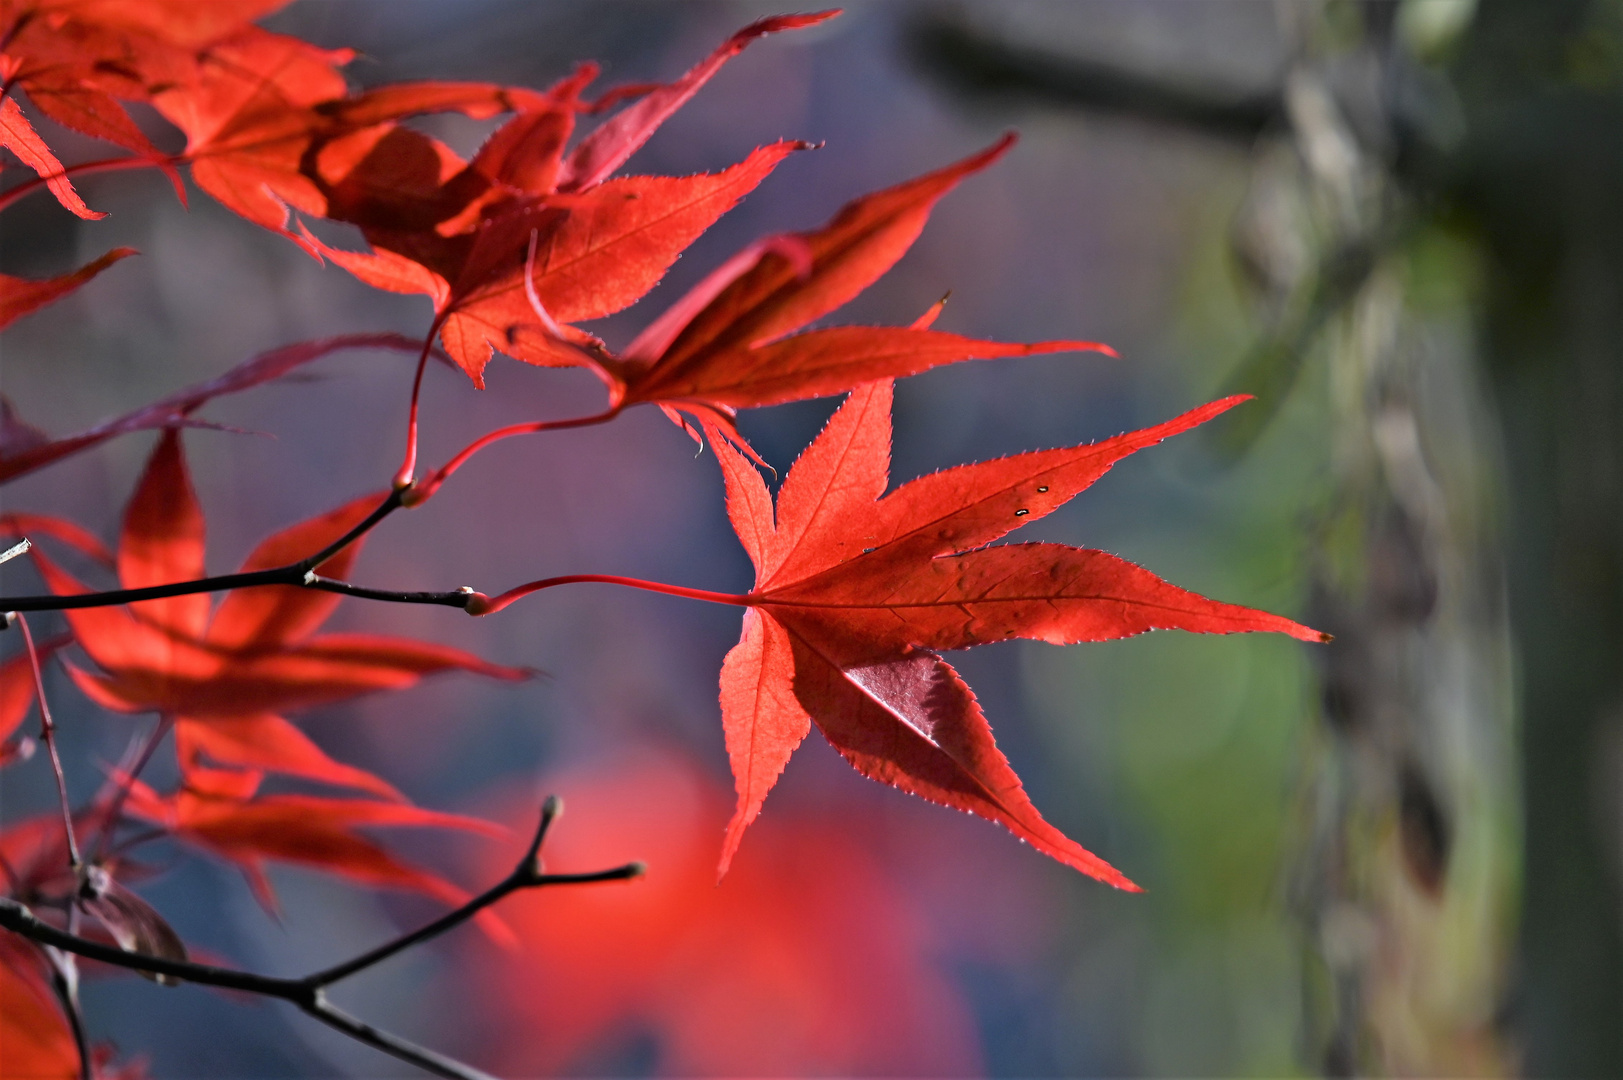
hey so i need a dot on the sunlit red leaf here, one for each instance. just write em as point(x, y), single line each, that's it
point(18, 136)
point(723, 346)
point(226, 682)
point(863, 240)
point(78, 59)
point(246, 119)
point(345, 157)
point(854, 587)
point(151, 670)
point(16, 694)
point(183, 23)
point(162, 542)
point(608, 147)
point(460, 235)
point(600, 255)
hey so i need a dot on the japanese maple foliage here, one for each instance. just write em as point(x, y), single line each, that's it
point(859, 589)
point(855, 589)
point(223, 677)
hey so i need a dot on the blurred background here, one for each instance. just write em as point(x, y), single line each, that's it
point(1397, 224)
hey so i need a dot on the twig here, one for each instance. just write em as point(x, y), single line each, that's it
point(127, 778)
point(420, 493)
point(457, 598)
point(479, 604)
point(299, 574)
point(118, 164)
point(47, 735)
point(302, 573)
point(408, 465)
point(309, 992)
point(389, 505)
point(21, 547)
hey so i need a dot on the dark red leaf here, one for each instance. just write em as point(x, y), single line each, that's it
point(21, 296)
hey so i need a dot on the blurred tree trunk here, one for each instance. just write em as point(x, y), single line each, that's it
point(1405, 885)
point(1406, 882)
point(1542, 177)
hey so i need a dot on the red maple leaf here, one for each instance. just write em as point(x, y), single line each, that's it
point(218, 812)
point(527, 238)
point(17, 695)
point(270, 124)
point(226, 679)
point(19, 136)
point(20, 296)
point(731, 343)
point(79, 59)
point(596, 254)
point(224, 675)
point(856, 590)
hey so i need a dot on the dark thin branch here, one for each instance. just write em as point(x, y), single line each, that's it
point(389, 505)
point(527, 870)
point(361, 1031)
point(457, 598)
point(300, 575)
point(281, 575)
point(976, 62)
point(47, 734)
point(16, 917)
point(309, 992)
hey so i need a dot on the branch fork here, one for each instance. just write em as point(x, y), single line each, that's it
point(310, 992)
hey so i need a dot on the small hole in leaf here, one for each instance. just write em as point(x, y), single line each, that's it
point(1043, 488)
point(1021, 513)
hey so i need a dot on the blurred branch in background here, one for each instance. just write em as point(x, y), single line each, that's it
point(1360, 260)
point(979, 63)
